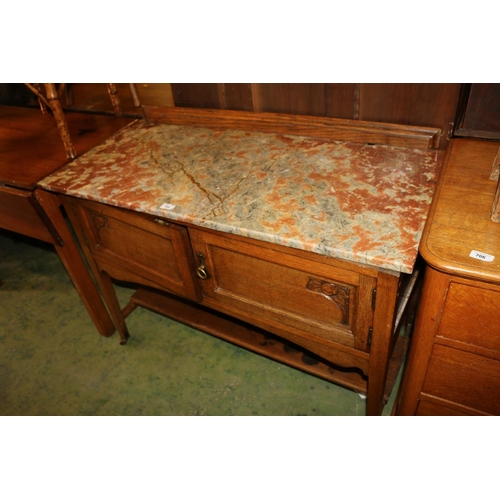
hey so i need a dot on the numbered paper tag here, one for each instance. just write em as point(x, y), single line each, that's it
point(167, 206)
point(481, 256)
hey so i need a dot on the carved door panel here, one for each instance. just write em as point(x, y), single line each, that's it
point(140, 248)
point(253, 281)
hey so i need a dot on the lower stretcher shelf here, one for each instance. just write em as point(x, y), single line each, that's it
point(261, 342)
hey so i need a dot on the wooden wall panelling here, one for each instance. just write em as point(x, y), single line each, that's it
point(233, 96)
point(237, 96)
point(336, 100)
point(197, 95)
point(426, 104)
point(294, 98)
point(480, 115)
point(420, 104)
point(342, 100)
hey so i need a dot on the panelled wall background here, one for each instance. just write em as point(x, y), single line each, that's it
point(424, 104)
point(459, 109)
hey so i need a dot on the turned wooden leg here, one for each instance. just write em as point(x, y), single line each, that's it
point(55, 106)
point(495, 176)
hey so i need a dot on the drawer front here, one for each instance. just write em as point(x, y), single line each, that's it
point(140, 248)
point(325, 301)
point(464, 378)
point(472, 315)
point(428, 409)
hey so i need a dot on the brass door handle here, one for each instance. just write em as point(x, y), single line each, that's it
point(201, 271)
point(161, 222)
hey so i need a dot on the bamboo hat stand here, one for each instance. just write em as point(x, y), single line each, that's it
point(495, 171)
point(49, 98)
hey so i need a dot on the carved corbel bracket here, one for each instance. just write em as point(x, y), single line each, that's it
point(338, 294)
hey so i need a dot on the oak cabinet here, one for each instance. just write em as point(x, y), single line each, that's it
point(270, 232)
point(325, 306)
point(454, 361)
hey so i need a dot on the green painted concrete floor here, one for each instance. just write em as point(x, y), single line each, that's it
point(54, 362)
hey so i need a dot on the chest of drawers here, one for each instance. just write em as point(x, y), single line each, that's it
point(271, 241)
point(454, 361)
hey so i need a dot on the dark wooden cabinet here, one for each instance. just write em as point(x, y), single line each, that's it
point(479, 111)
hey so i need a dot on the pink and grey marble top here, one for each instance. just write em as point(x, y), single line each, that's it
point(363, 203)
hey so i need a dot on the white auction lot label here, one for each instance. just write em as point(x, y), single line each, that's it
point(167, 206)
point(485, 257)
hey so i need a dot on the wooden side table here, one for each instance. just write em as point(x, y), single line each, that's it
point(286, 240)
point(31, 149)
point(453, 366)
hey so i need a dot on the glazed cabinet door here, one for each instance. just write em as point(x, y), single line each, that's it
point(303, 296)
point(136, 247)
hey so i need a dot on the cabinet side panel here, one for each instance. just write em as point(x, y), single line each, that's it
point(426, 325)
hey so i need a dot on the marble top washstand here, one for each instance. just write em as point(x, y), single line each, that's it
point(359, 202)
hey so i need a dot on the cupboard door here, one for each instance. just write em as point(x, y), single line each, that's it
point(301, 295)
point(136, 247)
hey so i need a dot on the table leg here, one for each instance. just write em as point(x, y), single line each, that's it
point(383, 322)
point(75, 265)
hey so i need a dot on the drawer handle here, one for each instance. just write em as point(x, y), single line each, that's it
point(161, 222)
point(201, 271)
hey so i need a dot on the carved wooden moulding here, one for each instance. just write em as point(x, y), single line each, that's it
point(338, 294)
